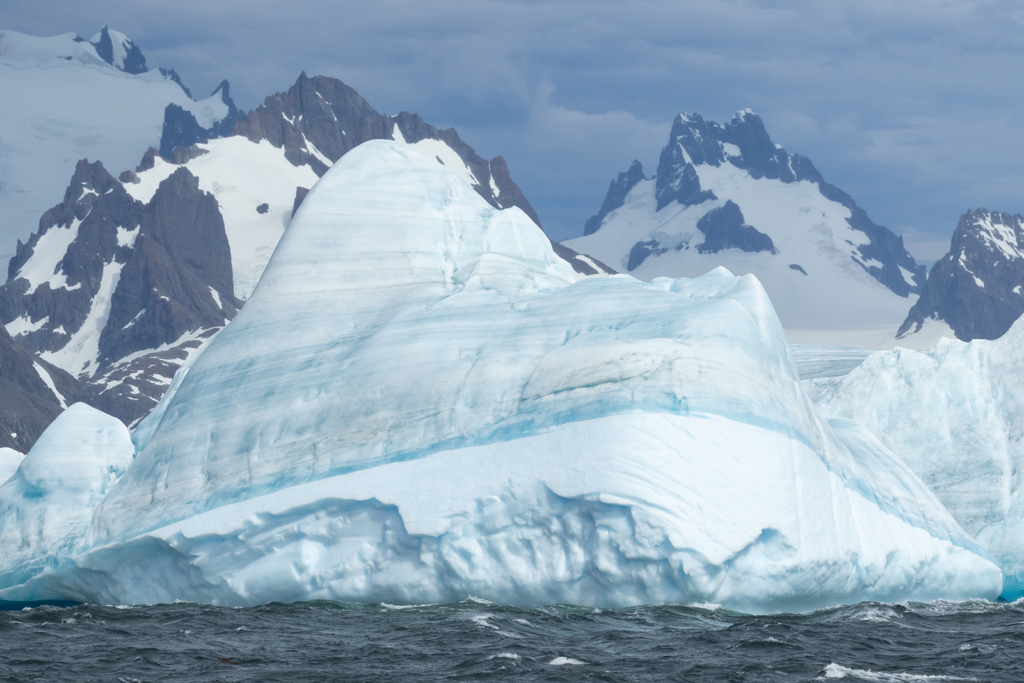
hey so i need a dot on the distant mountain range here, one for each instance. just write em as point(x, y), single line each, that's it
point(727, 195)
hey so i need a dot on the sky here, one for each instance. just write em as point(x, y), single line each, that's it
point(914, 108)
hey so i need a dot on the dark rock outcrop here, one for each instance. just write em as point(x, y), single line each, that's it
point(581, 263)
point(321, 118)
point(172, 75)
point(640, 251)
point(182, 129)
point(300, 194)
point(148, 160)
point(133, 62)
point(724, 228)
point(27, 404)
point(165, 287)
point(151, 280)
point(676, 180)
point(616, 195)
point(33, 393)
point(978, 287)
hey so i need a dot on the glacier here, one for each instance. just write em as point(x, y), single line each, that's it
point(420, 402)
point(955, 415)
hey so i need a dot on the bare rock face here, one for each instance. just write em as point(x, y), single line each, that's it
point(182, 129)
point(616, 195)
point(724, 228)
point(978, 287)
point(119, 51)
point(117, 292)
point(33, 393)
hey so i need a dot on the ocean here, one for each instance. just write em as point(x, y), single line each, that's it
point(476, 640)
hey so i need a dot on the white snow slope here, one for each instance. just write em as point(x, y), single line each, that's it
point(836, 303)
point(956, 416)
point(242, 175)
point(60, 102)
point(419, 403)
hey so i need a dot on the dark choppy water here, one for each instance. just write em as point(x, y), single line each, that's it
point(477, 641)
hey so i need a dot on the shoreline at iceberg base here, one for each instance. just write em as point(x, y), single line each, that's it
point(418, 404)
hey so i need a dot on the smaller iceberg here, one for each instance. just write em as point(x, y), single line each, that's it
point(9, 461)
point(955, 415)
point(47, 505)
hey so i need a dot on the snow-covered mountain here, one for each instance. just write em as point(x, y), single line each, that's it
point(976, 291)
point(63, 99)
point(295, 137)
point(726, 195)
point(118, 50)
point(118, 291)
point(421, 402)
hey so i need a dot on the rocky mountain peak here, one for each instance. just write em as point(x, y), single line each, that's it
point(319, 119)
point(977, 288)
point(119, 51)
point(697, 147)
point(211, 118)
point(118, 292)
point(616, 195)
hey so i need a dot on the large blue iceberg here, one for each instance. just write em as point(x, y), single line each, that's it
point(420, 403)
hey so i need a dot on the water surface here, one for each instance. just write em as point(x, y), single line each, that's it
point(475, 640)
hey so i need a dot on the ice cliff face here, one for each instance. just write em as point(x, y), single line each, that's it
point(956, 416)
point(419, 402)
point(726, 195)
point(977, 289)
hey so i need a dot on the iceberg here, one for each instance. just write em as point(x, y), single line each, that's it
point(420, 403)
point(46, 506)
point(955, 415)
point(9, 461)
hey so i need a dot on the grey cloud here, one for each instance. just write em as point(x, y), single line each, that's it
point(912, 106)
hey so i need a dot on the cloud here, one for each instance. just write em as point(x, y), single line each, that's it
point(560, 151)
point(912, 107)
